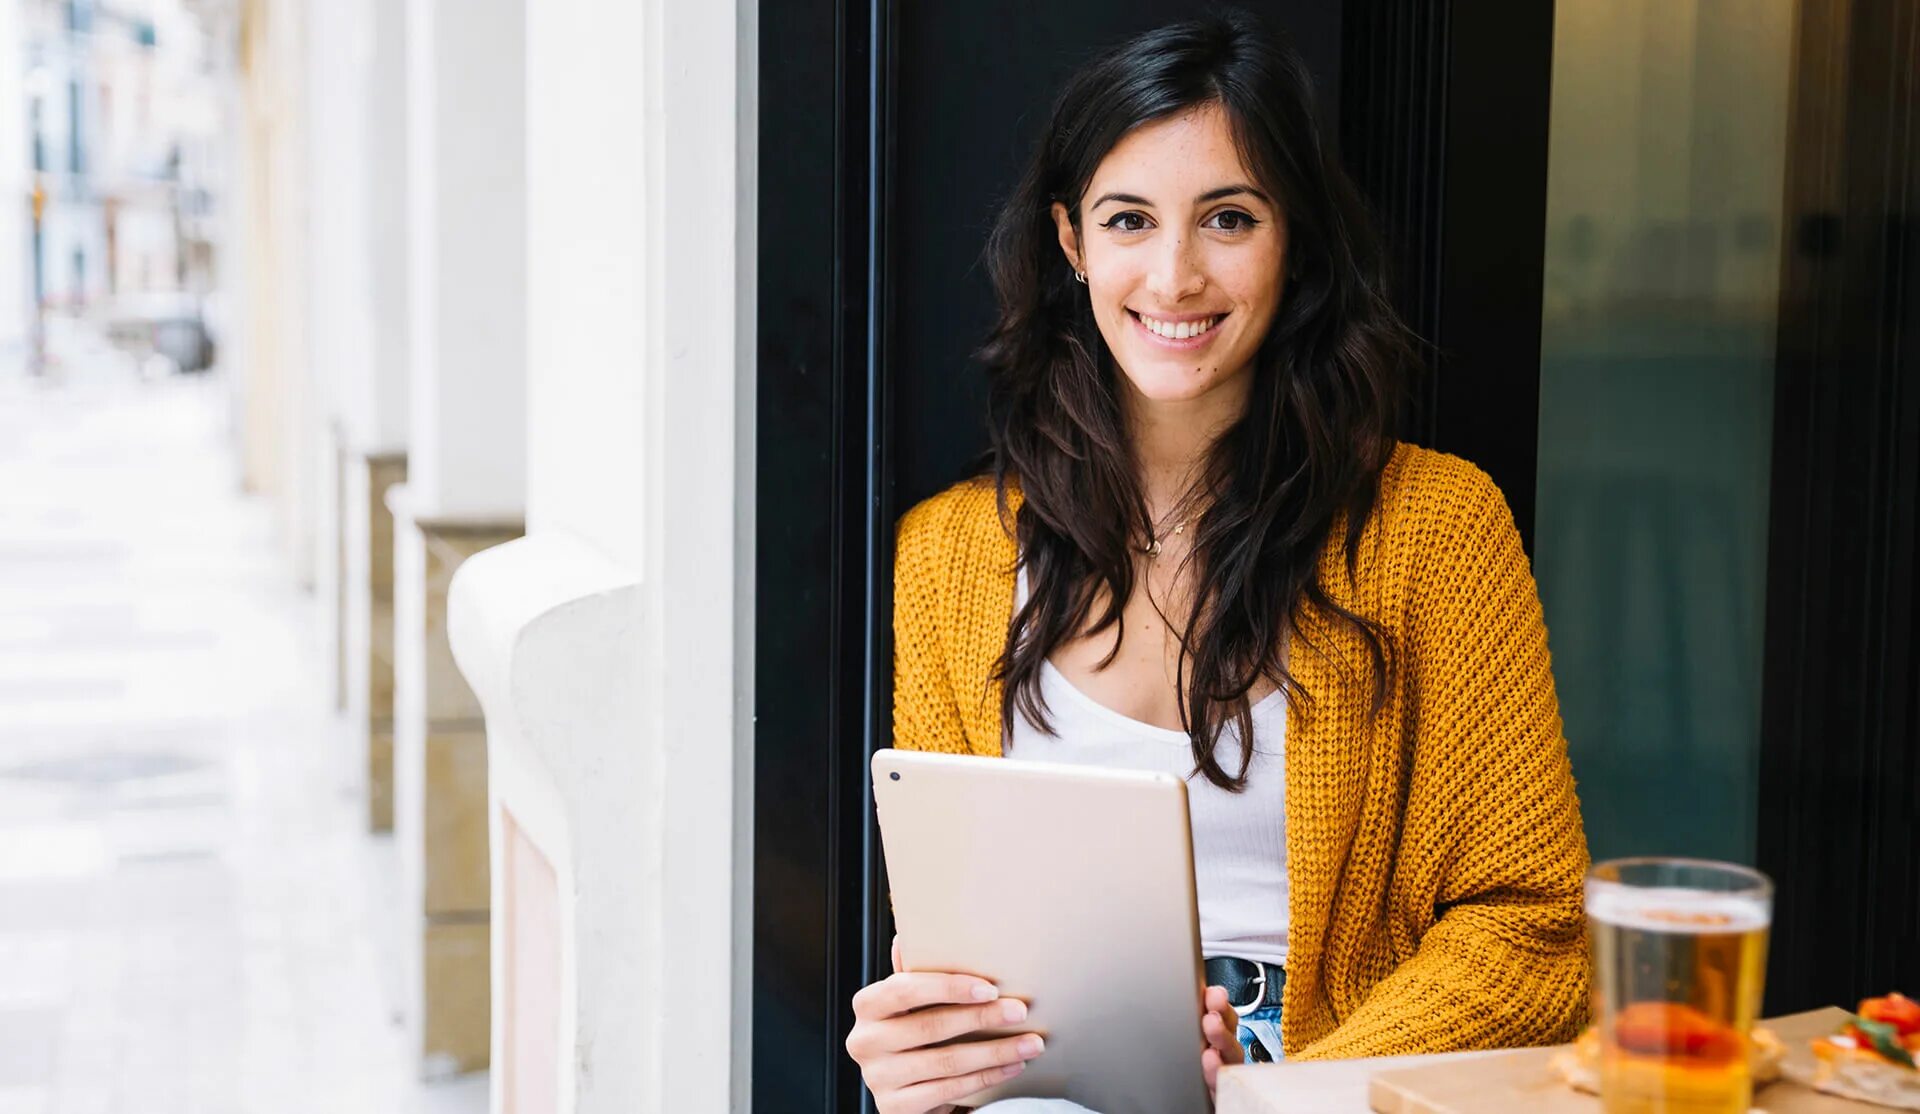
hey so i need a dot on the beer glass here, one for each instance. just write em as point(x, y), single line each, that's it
point(1679, 956)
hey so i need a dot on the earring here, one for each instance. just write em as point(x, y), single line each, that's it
point(1080, 277)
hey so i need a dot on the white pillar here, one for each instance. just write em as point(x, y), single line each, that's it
point(612, 648)
point(466, 227)
point(466, 485)
point(699, 540)
point(380, 424)
point(302, 417)
point(373, 383)
point(338, 44)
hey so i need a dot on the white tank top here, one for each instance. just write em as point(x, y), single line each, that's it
point(1239, 839)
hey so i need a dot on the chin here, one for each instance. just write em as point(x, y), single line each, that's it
point(1156, 378)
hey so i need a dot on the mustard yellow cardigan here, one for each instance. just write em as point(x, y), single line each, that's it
point(1436, 851)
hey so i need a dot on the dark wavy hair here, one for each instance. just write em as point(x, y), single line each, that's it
point(1303, 460)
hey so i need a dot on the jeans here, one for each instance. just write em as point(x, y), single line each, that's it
point(1262, 1024)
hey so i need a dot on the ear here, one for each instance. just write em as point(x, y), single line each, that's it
point(1069, 235)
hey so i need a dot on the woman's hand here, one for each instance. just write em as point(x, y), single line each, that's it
point(897, 1018)
point(1219, 1027)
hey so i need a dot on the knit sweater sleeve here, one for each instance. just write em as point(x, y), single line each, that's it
point(925, 714)
point(1487, 891)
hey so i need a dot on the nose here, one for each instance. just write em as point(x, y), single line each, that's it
point(1176, 273)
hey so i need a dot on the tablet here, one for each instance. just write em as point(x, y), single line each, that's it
point(1070, 888)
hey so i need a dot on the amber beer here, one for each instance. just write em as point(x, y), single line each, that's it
point(1679, 959)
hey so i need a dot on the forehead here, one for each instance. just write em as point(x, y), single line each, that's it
point(1173, 159)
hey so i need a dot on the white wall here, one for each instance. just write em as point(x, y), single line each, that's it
point(382, 425)
point(641, 191)
point(587, 244)
point(341, 337)
point(293, 417)
point(338, 43)
point(466, 229)
point(699, 445)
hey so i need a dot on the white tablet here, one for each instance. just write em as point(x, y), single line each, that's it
point(1070, 888)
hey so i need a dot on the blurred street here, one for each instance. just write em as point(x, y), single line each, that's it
point(192, 916)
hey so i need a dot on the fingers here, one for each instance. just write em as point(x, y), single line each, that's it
point(936, 1094)
point(964, 1064)
point(1220, 1029)
point(912, 990)
point(1222, 1040)
point(935, 1025)
point(897, 965)
point(1216, 1000)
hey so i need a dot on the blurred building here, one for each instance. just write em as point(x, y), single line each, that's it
point(126, 105)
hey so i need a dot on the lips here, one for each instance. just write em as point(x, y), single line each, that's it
point(1188, 332)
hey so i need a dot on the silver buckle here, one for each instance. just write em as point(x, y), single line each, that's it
point(1258, 995)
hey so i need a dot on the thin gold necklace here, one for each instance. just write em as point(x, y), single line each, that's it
point(1154, 537)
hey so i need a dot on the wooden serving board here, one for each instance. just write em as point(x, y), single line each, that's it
point(1525, 1083)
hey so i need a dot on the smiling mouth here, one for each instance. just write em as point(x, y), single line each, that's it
point(1178, 330)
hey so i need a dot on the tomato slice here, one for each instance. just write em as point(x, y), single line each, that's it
point(1674, 1030)
point(1897, 1010)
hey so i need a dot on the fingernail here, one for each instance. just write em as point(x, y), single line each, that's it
point(985, 992)
point(1012, 1070)
point(1013, 1009)
point(1031, 1045)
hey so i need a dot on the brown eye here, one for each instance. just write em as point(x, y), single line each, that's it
point(1117, 222)
point(1237, 221)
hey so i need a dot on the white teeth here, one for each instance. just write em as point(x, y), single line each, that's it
point(1179, 330)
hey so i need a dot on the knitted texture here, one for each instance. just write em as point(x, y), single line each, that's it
point(1435, 848)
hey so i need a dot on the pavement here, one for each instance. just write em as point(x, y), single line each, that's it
point(193, 917)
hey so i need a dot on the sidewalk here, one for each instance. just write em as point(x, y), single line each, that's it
point(192, 917)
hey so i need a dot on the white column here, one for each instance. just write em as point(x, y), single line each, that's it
point(466, 485)
point(339, 45)
point(338, 42)
point(699, 543)
point(466, 228)
point(302, 418)
point(373, 377)
point(279, 417)
point(612, 647)
point(381, 425)
point(16, 185)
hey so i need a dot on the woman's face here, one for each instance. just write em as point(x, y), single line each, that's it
point(1184, 256)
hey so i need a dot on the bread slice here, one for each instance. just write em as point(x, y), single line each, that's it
point(1579, 1062)
point(1845, 1068)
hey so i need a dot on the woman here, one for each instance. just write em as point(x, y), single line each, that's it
point(1202, 549)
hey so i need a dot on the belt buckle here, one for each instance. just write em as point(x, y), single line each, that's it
point(1258, 996)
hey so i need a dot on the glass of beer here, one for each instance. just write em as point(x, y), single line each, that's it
point(1679, 958)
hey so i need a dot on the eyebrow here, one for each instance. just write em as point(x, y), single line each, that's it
point(1210, 195)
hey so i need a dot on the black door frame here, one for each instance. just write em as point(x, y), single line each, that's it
point(1840, 729)
point(1444, 127)
point(824, 539)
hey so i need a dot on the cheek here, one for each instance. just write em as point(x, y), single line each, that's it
point(1255, 288)
point(1110, 289)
